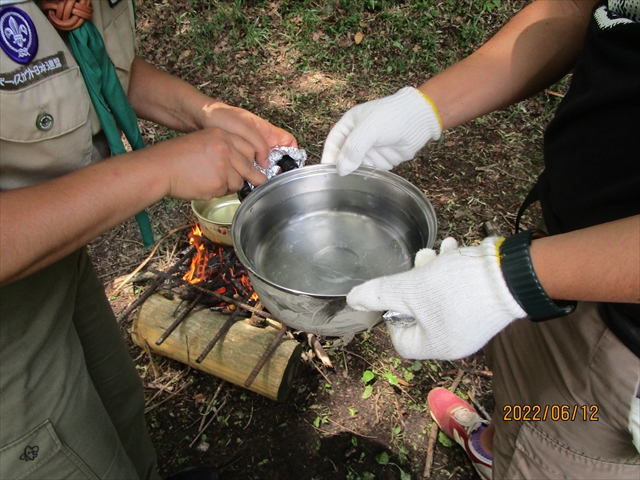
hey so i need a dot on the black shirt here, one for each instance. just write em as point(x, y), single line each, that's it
point(592, 146)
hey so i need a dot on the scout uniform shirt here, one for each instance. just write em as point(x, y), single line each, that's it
point(48, 126)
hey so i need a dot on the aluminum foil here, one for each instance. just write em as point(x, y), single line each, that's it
point(397, 319)
point(275, 155)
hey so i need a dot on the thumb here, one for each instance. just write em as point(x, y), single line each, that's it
point(372, 295)
point(336, 138)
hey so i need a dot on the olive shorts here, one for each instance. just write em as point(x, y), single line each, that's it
point(71, 401)
point(563, 390)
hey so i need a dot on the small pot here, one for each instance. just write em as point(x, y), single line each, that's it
point(215, 217)
point(308, 236)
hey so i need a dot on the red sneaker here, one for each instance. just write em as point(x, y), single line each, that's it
point(461, 422)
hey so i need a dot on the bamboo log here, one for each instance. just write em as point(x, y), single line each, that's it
point(234, 356)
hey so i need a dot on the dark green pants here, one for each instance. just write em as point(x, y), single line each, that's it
point(71, 402)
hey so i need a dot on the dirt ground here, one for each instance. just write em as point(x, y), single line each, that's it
point(339, 422)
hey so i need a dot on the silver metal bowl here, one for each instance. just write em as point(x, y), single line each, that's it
point(308, 236)
point(214, 217)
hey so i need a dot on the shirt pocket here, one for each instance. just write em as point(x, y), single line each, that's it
point(41, 455)
point(538, 456)
point(45, 130)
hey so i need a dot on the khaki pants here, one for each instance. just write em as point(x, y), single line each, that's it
point(563, 391)
point(71, 402)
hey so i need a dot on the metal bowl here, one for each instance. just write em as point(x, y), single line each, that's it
point(308, 236)
point(215, 217)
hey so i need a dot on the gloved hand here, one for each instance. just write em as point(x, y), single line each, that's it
point(459, 300)
point(383, 132)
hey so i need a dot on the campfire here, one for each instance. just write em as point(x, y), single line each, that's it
point(204, 312)
point(216, 268)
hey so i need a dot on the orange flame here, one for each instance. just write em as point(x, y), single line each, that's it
point(198, 271)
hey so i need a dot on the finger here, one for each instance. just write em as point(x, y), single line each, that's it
point(275, 136)
point(355, 148)
point(424, 256)
point(335, 140)
point(375, 295)
point(375, 159)
point(448, 244)
point(410, 342)
point(241, 159)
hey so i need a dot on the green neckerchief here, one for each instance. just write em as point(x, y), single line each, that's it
point(109, 100)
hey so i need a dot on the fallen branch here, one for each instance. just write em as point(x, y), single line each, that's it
point(433, 434)
point(349, 430)
point(314, 343)
point(551, 92)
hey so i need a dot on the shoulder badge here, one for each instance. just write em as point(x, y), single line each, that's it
point(18, 36)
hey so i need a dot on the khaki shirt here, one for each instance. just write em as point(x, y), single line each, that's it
point(51, 84)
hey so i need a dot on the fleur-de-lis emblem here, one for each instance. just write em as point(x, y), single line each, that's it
point(18, 36)
point(30, 453)
point(18, 32)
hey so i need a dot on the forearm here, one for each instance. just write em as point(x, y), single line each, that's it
point(535, 49)
point(165, 99)
point(169, 101)
point(57, 217)
point(600, 263)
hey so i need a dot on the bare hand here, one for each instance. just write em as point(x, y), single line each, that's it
point(261, 134)
point(207, 163)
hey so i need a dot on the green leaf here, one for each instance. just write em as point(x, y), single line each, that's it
point(368, 390)
point(417, 366)
point(367, 376)
point(354, 441)
point(382, 458)
point(408, 375)
point(316, 422)
point(404, 475)
point(393, 380)
point(444, 440)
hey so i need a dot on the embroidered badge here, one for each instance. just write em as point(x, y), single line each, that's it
point(28, 74)
point(18, 36)
point(30, 453)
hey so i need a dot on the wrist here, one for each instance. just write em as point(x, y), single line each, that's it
point(433, 107)
point(522, 281)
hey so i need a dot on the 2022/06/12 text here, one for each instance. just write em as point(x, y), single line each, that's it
point(562, 413)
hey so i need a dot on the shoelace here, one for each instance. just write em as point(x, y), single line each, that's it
point(467, 419)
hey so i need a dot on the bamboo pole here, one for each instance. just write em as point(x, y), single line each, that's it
point(232, 359)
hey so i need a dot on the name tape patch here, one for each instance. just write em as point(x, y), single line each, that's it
point(36, 71)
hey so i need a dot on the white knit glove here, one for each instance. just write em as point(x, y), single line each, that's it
point(383, 132)
point(459, 300)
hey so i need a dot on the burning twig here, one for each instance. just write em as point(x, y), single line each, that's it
point(156, 284)
point(265, 356)
point(224, 298)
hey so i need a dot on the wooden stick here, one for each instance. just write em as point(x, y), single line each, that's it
point(433, 434)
